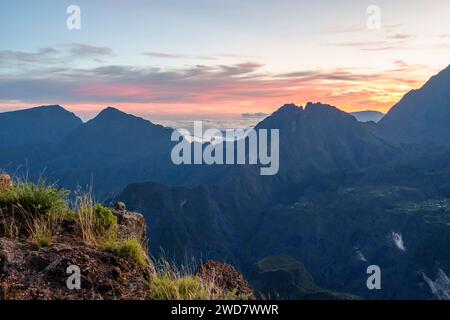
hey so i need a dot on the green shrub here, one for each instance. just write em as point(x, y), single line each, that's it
point(104, 219)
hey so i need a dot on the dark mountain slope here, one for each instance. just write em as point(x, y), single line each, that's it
point(316, 140)
point(109, 151)
point(45, 124)
point(422, 116)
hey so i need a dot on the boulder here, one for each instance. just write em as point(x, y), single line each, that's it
point(131, 224)
point(226, 278)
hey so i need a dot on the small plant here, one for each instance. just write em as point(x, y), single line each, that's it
point(98, 224)
point(43, 240)
point(104, 220)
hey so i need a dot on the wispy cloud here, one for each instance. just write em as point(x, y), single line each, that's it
point(401, 36)
point(51, 56)
point(379, 45)
point(256, 115)
point(222, 88)
point(209, 57)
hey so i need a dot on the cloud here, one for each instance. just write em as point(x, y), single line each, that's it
point(380, 45)
point(401, 36)
point(254, 115)
point(210, 57)
point(85, 50)
point(225, 88)
point(341, 29)
point(51, 56)
point(165, 55)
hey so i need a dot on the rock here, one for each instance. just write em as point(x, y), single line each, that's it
point(27, 274)
point(225, 277)
point(5, 182)
point(120, 206)
point(131, 224)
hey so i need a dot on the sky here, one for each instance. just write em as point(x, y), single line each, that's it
point(191, 59)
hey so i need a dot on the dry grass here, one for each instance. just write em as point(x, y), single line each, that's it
point(172, 284)
point(39, 207)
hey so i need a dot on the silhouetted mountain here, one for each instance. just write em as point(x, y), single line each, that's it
point(322, 138)
point(45, 124)
point(422, 115)
point(114, 136)
point(367, 116)
point(109, 151)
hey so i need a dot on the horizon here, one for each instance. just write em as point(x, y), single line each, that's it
point(194, 60)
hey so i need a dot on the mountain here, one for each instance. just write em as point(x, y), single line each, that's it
point(115, 134)
point(108, 152)
point(218, 219)
point(423, 115)
point(367, 116)
point(322, 138)
point(47, 124)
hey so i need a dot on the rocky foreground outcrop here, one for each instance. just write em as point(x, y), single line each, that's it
point(29, 273)
point(68, 268)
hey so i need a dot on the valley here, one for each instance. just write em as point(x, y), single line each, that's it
point(348, 194)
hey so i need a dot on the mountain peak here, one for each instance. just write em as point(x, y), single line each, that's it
point(51, 107)
point(288, 109)
point(115, 115)
point(319, 105)
point(110, 111)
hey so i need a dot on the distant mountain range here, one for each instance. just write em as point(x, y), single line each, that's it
point(38, 125)
point(346, 191)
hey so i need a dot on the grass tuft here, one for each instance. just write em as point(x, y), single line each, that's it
point(171, 284)
point(130, 248)
point(37, 199)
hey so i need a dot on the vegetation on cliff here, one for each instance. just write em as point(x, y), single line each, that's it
point(43, 236)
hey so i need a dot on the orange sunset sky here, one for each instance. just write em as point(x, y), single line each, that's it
point(218, 59)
